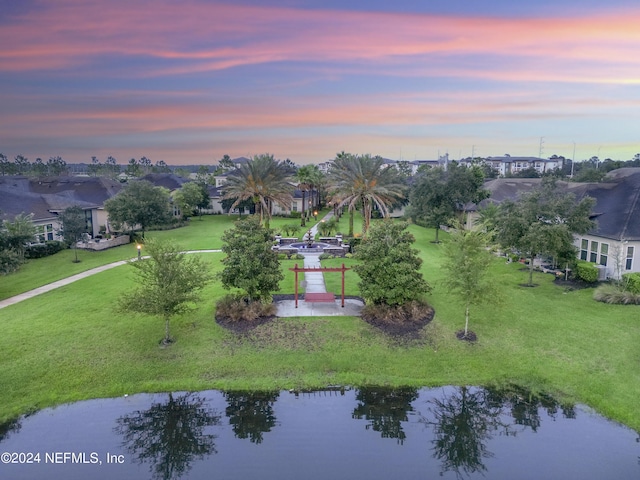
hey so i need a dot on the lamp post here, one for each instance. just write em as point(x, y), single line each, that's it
point(139, 251)
point(315, 214)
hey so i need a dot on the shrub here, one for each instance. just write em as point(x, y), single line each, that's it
point(327, 228)
point(388, 267)
point(631, 282)
point(325, 256)
point(238, 308)
point(10, 261)
point(40, 250)
point(290, 229)
point(587, 271)
point(615, 295)
point(250, 264)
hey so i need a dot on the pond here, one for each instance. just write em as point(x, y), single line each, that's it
point(369, 433)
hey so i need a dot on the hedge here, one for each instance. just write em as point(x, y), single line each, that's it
point(39, 250)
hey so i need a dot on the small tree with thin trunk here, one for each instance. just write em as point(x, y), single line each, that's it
point(74, 224)
point(467, 261)
point(169, 283)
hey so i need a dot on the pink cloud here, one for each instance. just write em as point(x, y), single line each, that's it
point(196, 36)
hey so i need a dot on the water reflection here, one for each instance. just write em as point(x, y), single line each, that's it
point(463, 432)
point(385, 409)
point(251, 413)
point(524, 406)
point(12, 426)
point(465, 420)
point(171, 435)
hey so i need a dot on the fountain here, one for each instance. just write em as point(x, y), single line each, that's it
point(331, 245)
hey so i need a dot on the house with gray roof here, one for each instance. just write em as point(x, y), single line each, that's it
point(614, 243)
point(47, 197)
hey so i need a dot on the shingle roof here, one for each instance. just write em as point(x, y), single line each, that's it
point(169, 181)
point(45, 196)
point(617, 208)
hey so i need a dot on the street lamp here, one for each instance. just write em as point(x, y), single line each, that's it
point(139, 251)
point(315, 214)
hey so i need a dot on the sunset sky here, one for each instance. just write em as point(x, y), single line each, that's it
point(188, 81)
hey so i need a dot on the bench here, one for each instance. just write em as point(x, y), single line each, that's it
point(319, 297)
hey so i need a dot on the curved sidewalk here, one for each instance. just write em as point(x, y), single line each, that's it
point(74, 278)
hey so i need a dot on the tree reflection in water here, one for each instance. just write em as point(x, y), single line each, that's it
point(464, 421)
point(386, 409)
point(251, 413)
point(171, 435)
point(462, 424)
point(12, 426)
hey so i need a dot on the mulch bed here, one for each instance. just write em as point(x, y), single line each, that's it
point(470, 337)
point(405, 327)
point(573, 284)
point(402, 327)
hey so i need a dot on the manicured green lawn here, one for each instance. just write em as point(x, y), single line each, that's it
point(38, 272)
point(72, 344)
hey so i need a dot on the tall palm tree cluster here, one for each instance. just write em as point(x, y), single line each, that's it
point(264, 181)
point(355, 181)
point(362, 181)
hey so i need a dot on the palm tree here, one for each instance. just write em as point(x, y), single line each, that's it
point(304, 178)
point(364, 181)
point(262, 180)
point(316, 182)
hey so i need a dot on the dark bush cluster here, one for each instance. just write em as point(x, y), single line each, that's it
point(40, 250)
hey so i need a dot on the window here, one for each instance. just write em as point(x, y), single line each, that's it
point(629, 258)
point(604, 253)
point(583, 249)
point(295, 207)
point(594, 252)
point(44, 233)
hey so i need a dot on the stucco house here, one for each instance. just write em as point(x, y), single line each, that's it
point(614, 244)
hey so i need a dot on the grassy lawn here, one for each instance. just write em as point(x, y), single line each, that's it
point(71, 344)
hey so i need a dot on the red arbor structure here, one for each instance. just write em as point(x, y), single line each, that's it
point(319, 297)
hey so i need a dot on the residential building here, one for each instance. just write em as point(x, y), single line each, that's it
point(614, 244)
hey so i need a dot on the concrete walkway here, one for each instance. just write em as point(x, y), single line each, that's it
point(315, 284)
point(74, 278)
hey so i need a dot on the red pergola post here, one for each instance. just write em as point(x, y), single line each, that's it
point(297, 269)
point(343, 270)
point(296, 284)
